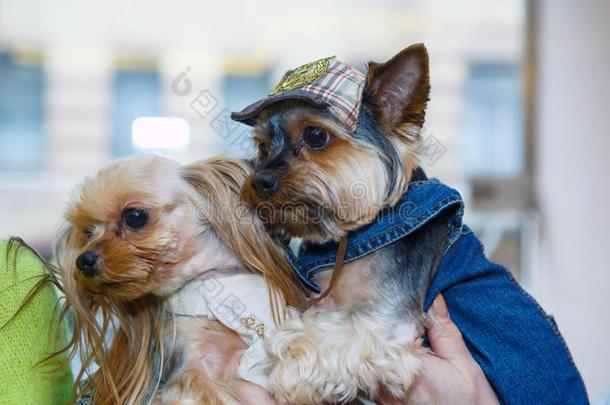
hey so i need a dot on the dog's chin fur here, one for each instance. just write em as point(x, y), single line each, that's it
point(193, 228)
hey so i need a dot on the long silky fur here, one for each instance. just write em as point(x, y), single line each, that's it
point(330, 355)
point(221, 179)
point(126, 372)
point(348, 353)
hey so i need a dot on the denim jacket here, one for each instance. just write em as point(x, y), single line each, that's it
point(515, 342)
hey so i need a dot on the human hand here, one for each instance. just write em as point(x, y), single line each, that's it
point(449, 375)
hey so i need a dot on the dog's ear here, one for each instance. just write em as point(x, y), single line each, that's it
point(397, 91)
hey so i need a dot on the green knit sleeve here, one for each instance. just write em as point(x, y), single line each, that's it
point(30, 336)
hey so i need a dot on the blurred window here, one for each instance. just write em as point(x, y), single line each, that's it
point(136, 93)
point(495, 162)
point(240, 89)
point(494, 121)
point(21, 115)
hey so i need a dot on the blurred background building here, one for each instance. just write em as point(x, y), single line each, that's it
point(517, 119)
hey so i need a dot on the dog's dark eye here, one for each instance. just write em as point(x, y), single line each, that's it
point(315, 137)
point(135, 217)
point(263, 150)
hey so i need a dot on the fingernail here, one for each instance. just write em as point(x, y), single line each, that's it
point(439, 308)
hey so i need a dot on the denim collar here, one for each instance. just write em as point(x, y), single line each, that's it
point(424, 200)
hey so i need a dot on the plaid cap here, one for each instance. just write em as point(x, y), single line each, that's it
point(325, 83)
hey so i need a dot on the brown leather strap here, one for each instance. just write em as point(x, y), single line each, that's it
point(338, 267)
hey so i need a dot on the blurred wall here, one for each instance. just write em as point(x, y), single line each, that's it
point(80, 45)
point(573, 165)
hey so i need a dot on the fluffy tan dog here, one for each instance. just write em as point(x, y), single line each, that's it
point(136, 234)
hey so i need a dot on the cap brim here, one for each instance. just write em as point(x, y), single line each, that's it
point(250, 114)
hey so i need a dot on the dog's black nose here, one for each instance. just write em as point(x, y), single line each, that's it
point(86, 263)
point(264, 184)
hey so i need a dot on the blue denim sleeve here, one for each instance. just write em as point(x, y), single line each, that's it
point(516, 344)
